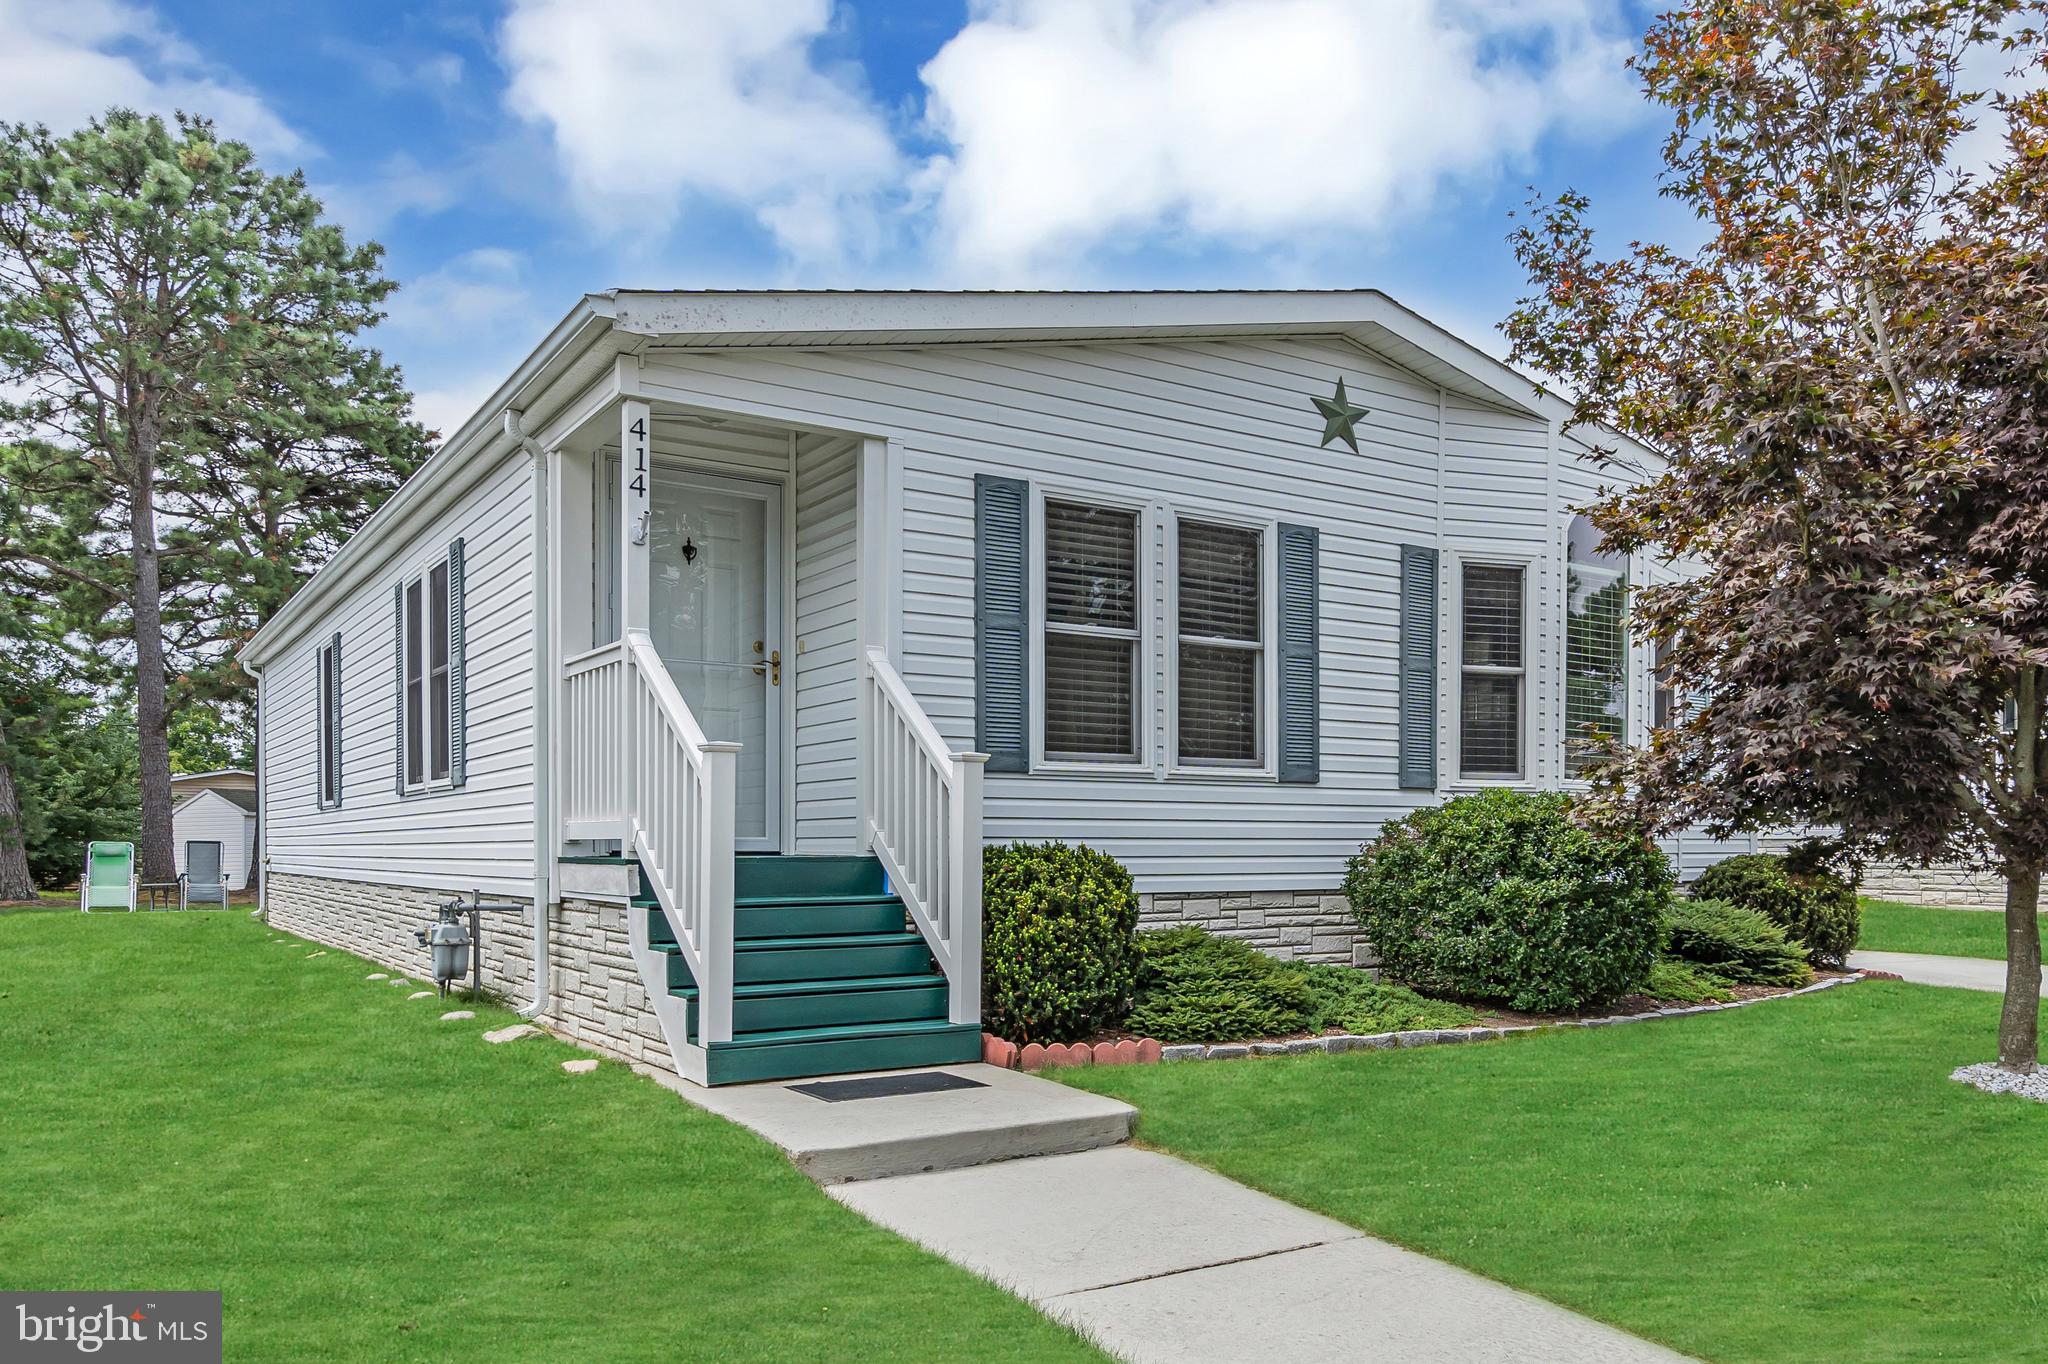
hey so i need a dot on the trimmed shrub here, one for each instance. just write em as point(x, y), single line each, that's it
point(1812, 905)
point(1736, 943)
point(1059, 941)
point(1679, 980)
point(1501, 896)
point(1194, 987)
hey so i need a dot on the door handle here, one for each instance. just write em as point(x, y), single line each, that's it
point(773, 667)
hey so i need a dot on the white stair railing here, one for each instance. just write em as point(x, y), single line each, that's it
point(680, 793)
point(922, 815)
point(593, 730)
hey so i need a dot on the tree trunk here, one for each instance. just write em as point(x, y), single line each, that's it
point(15, 882)
point(2019, 1022)
point(152, 727)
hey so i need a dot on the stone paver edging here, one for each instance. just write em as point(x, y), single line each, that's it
point(1333, 1044)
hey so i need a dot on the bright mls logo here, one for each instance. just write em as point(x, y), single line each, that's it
point(165, 1328)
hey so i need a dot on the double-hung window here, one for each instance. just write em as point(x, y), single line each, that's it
point(1219, 663)
point(423, 635)
point(1595, 649)
point(1093, 633)
point(328, 746)
point(1493, 672)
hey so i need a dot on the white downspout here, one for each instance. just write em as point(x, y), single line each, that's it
point(260, 858)
point(543, 718)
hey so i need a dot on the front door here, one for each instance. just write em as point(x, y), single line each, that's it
point(716, 605)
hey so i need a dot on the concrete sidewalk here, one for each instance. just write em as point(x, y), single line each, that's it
point(1158, 1260)
point(1962, 973)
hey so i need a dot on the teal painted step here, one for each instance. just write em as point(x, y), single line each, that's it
point(799, 918)
point(836, 1051)
point(771, 1006)
point(826, 958)
point(758, 878)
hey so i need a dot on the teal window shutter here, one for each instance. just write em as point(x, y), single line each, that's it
point(1300, 681)
point(1002, 668)
point(458, 672)
point(1418, 667)
point(398, 675)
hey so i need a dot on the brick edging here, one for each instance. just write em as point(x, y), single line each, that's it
point(1379, 1041)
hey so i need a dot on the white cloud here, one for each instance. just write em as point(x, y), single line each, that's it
point(1070, 122)
point(444, 408)
point(64, 62)
point(651, 103)
point(477, 298)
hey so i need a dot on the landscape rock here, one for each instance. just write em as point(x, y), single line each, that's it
point(582, 1067)
point(374, 975)
point(512, 1034)
point(421, 994)
point(1995, 1079)
point(457, 1015)
point(1228, 1053)
point(1186, 1052)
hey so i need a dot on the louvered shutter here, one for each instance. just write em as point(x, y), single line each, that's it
point(1002, 680)
point(458, 672)
point(1418, 617)
point(398, 675)
point(1300, 687)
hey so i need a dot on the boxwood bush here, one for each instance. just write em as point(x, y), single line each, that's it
point(1736, 944)
point(1812, 905)
point(1502, 896)
point(1059, 941)
point(1193, 987)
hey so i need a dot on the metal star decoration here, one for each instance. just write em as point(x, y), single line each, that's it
point(1340, 416)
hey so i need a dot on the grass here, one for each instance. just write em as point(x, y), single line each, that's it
point(1799, 1180)
point(190, 1104)
point(1892, 927)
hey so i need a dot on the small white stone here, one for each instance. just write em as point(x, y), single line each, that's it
point(400, 980)
point(421, 994)
point(583, 1067)
point(456, 1015)
point(311, 955)
point(511, 1034)
point(374, 975)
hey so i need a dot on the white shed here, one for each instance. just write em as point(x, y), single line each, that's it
point(215, 828)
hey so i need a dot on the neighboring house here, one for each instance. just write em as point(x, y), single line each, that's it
point(213, 825)
point(761, 587)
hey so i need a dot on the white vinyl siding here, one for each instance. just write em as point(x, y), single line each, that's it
point(478, 836)
point(826, 678)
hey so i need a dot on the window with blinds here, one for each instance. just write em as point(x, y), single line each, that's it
point(425, 661)
point(1595, 650)
point(1492, 673)
point(1091, 633)
point(1221, 646)
point(328, 747)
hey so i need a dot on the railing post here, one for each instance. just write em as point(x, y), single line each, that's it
point(963, 837)
point(721, 793)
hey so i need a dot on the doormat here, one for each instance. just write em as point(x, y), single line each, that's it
point(886, 1086)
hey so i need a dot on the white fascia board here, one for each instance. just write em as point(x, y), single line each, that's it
point(422, 493)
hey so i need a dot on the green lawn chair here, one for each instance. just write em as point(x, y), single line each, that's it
point(109, 877)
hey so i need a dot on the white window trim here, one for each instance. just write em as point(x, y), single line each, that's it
point(1451, 630)
point(423, 575)
point(1266, 769)
point(1142, 700)
point(326, 759)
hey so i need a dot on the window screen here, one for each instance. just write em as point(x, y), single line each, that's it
point(1492, 673)
point(1220, 661)
point(1091, 632)
point(1595, 650)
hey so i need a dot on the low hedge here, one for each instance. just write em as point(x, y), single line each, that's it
point(1502, 896)
point(1686, 983)
point(1812, 905)
point(1736, 943)
point(1059, 941)
point(1194, 987)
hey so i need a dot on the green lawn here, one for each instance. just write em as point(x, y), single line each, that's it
point(1794, 1181)
point(190, 1105)
point(1892, 927)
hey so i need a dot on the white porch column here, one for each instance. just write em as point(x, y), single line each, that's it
point(636, 511)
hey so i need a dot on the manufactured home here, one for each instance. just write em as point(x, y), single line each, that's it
point(735, 624)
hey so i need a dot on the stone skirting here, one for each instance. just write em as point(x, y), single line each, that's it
point(1950, 886)
point(595, 996)
point(1297, 925)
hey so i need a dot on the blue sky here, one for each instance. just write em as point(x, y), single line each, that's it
point(513, 154)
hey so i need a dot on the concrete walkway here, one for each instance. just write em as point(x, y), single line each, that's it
point(1962, 973)
point(1027, 1183)
point(1155, 1259)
